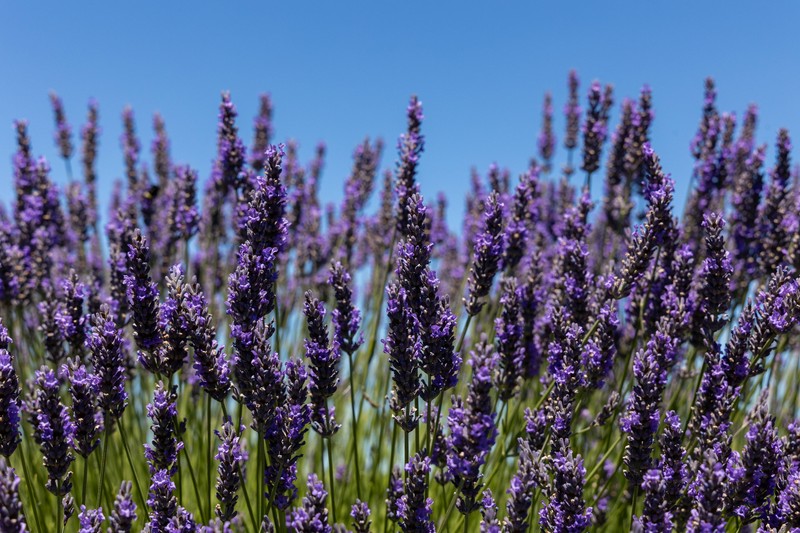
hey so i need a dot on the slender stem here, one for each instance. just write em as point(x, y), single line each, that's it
point(451, 506)
point(391, 468)
point(102, 467)
point(84, 500)
point(330, 477)
point(124, 438)
point(260, 473)
point(31, 493)
point(196, 489)
point(208, 452)
point(355, 424)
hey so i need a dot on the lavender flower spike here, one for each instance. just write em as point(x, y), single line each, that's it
point(53, 431)
point(360, 514)
point(63, 134)
point(565, 507)
point(91, 520)
point(9, 405)
point(231, 459)
point(488, 252)
point(84, 389)
point(346, 318)
point(162, 453)
point(312, 517)
point(520, 494)
point(12, 518)
point(106, 345)
point(142, 296)
point(414, 507)
point(162, 502)
point(324, 366)
point(124, 513)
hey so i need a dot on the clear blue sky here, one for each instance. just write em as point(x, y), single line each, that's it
point(338, 71)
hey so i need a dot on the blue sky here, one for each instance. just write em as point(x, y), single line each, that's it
point(338, 71)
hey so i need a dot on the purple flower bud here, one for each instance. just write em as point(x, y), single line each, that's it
point(231, 459)
point(414, 507)
point(9, 405)
point(161, 501)
point(595, 127)
point(130, 147)
point(162, 452)
point(410, 147)
point(487, 255)
point(565, 507)
point(262, 132)
point(312, 517)
point(520, 493)
point(53, 431)
point(91, 520)
point(84, 388)
point(360, 513)
point(403, 348)
point(346, 318)
point(124, 513)
point(106, 346)
point(142, 294)
point(547, 139)
point(489, 521)
point(12, 518)
point(472, 428)
point(63, 135)
point(324, 366)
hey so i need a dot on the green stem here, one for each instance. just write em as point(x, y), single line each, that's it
point(124, 438)
point(31, 493)
point(452, 506)
point(355, 424)
point(83, 481)
point(102, 466)
point(330, 477)
point(208, 452)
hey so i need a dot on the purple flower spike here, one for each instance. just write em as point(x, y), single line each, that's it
point(231, 459)
point(410, 147)
point(415, 508)
point(9, 405)
point(162, 502)
point(262, 132)
point(565, 507)
point(488, 252)
point(107, 349)
point(360, 514)
point(324, 366)
point(547, 139)
point(12, 518)
point(84, 388)
point(53, 431)
point(63, 135)
point(312, 517)
point(124, 513)
point(90, 520)
point(162, 453)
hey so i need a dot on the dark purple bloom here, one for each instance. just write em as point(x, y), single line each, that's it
point(90, 520)
point(360, 513)
point(508, 327)
point(489, 521)
point(595, 128)
point(89, 136)
point(312, 517)
point(124, 513)
point(106, 346)
point(394, 494)
point(130, 147)
point(162, 452)
point(63, 135)
point(572, 111)
point(142, 295)
point(789, 500)
point(53, 431)
point(547, 139)
point(516, 234)
point(487, 255)
point(775, 208)
point(520, 493)
point(641, 419)
point(9, 405)
point(706, 494)
point(345, 317)
point(162, 165)
point(748, 184)
point(565, 507)
point(49, 311)
point(210, 362)
point(651, 234)
point(70, 316)
point(185, 216)
point(231, 459)
point(324, 366)
point(403, 348)
point(472, 428)
point(410, 146)
point(663, 485)
point(262, 132)
point(415, 507)
point(84, 388)
point(162, 502)
point(753, 474)
point(262, 220)
point(12, 518)
point(715, 275)
point(230, 148)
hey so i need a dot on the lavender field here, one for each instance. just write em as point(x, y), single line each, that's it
point(232, 352)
